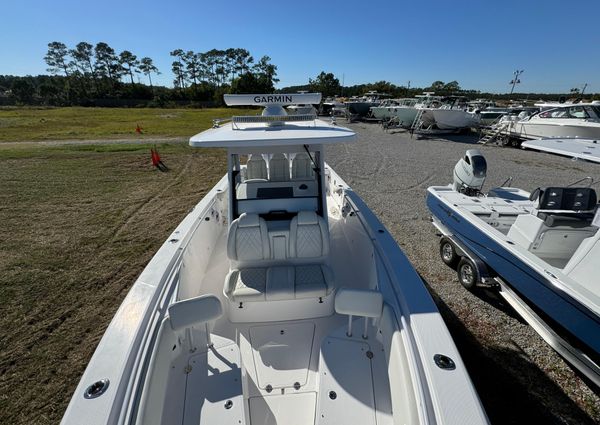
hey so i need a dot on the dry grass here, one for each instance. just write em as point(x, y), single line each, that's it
point(36, 124)
point(78, 224)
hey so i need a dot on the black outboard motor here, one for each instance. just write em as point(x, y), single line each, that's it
point(469, 173)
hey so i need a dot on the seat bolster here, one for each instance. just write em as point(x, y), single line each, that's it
point(230, 281)
point(329, 278)
point(310, 281)
point(325, 237)
point(264, 233)
point(293, 236)
point(247, 284)
point(231, 251)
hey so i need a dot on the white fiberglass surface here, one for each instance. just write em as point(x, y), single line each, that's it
point(286, 371)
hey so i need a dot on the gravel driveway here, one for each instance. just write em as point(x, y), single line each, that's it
point(520, 379)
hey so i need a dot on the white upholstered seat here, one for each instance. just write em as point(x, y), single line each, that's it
point(262, 272)
point(256, 168)
point(194, 311)
point(247, 284)
point(248, 242)
point(248, 239)
point(279, 168)
point(302, 167)
point(309, 236)
point(313, 281)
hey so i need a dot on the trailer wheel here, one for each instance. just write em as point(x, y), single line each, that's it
point(448, 253)
point(468, 276)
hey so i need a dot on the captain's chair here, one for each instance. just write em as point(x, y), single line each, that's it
point(302, 167)
point(279, 168)
point(247, 246)
point(256, 168)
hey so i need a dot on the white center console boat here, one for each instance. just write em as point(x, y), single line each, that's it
point(280, 299)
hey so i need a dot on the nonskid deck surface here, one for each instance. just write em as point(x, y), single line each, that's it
point(500, 209)
point(291, 372)
point(512, 201)
point(312, 373)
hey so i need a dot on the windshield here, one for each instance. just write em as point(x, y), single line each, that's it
point(571, 112)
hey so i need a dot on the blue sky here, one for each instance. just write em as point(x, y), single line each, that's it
point(478, 43)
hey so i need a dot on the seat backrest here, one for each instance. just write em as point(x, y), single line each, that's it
point(359, 302)
point(194, 311)
point(279, 168)
point(248, 239)
point(309, 236)
point(256, 167)
point(302, 167)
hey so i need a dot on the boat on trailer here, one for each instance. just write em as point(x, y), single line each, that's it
point(540, 249)
point(279, 299)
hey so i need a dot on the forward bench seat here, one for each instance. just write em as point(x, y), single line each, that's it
point(279, 283)
point(285, 268)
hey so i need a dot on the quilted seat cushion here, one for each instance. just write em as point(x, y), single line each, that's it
point(279, 168)
point(248, 239)
point(247, 284)
point(313, 281)
point(309, 236)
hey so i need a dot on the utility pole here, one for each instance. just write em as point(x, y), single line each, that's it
point(583, 89)
point(515, 80)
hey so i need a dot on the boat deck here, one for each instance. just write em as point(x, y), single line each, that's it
point(500, 209)
point(295, 372)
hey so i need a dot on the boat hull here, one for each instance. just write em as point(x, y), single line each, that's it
point(540, 130)
point(450, 119)
point(360, 109)
point(572, 321)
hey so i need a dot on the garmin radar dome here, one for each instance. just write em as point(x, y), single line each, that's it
point(470, 172)
point(273, 104)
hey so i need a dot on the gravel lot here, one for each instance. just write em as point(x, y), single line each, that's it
point(520, 379)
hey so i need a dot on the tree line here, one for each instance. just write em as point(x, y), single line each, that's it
point(327, 84)
point(89, 74)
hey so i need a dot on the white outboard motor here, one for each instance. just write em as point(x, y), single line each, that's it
point(469, 173)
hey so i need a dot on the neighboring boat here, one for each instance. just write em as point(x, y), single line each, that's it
point(360, 107)
point(586, 149)
point(279, 299)
point(403, 111)
point(580, 120)
point(541, 249)
point(301, 109)
point(452, 115)
point(332, 107)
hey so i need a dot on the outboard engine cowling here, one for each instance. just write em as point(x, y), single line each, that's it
point(469, 173)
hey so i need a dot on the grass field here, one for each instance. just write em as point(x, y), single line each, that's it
point(38, 124)
point(78, 224)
